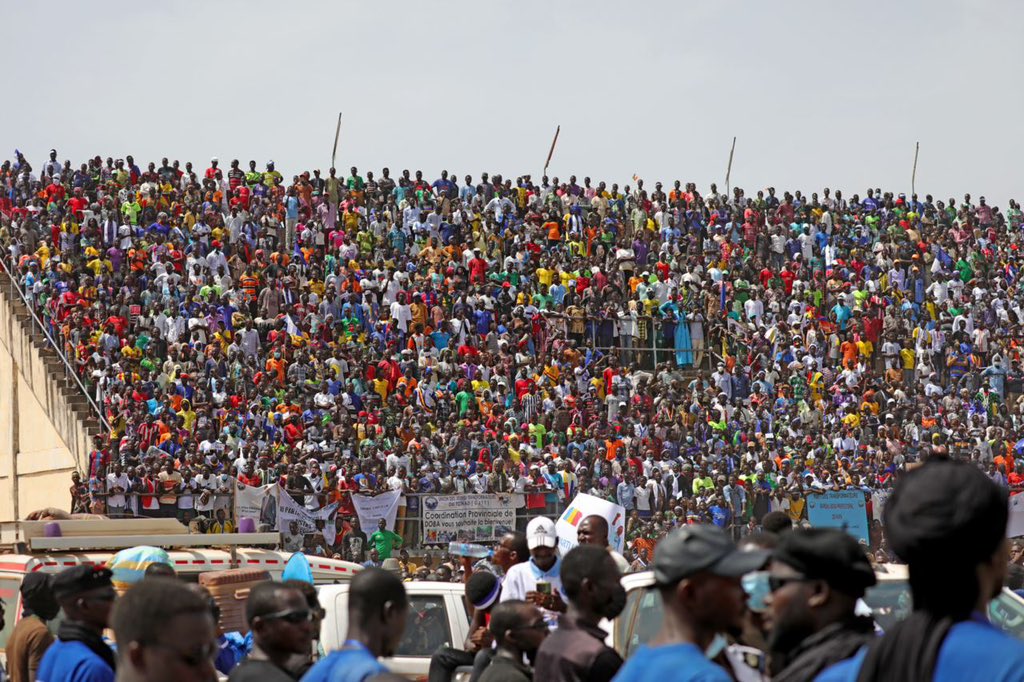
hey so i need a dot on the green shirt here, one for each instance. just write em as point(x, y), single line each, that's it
point(462, 399)
point(385, 541)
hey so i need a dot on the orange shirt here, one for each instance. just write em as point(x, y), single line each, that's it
point(276, 366)
point(553, 230)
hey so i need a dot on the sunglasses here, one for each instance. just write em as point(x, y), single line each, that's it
point(293, 617)
point(204, 655)
point(777, 583)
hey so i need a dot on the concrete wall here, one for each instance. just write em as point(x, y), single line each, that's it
point(42, 438)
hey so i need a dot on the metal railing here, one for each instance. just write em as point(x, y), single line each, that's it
point(69, 369)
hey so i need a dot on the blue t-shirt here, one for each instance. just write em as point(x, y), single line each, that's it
point(73, 662)
point(345, 665)
point(671, 663)
point(973, 650)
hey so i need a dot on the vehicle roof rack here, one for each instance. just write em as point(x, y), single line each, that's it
point(105, 534)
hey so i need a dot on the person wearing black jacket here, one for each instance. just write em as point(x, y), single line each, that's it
point(816, 577)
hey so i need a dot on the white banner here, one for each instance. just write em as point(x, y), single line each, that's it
point(258, 503)
point(276, 510)
point(467, 518)
point(582, 506)
point(372, 508)
point(291, 512)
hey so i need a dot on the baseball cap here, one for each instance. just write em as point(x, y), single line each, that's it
point(694, 549)
point(541, 533)
point(827, 554)
point(78, 579)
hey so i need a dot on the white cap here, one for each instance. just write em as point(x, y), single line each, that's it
point(541, 533)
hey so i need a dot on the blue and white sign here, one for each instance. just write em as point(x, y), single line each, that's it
point(842, 509)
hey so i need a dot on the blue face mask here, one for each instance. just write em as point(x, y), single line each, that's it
point(716, 647)
point(755, 584)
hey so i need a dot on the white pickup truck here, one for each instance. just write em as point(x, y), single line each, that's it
point(437, 617)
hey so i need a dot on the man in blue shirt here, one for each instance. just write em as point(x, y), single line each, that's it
point(720, 514)
point(377, 610)
point(80, 655)
point(697, 570)
point(947, 520)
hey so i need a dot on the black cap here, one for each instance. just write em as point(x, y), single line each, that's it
point(827, 554)
point(946, 504)
point(78, 579)
point(483, 589)
point(694, 549)
point(36, 583)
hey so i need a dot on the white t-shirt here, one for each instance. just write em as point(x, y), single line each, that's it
point(205, 483)
point(395, 483)
point(185, 499)
point(523, 578)
point(122, 482)
point(643, 498)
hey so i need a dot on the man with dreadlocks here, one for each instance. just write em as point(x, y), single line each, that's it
point(947, 520)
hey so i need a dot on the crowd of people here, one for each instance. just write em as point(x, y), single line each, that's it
point(792, 599)
point(695, 356)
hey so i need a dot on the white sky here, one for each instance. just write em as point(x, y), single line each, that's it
point(818, 92)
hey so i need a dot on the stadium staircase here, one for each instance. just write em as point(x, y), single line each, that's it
point(46, 373)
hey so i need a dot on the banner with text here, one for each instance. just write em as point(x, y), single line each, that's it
point(467, 518)
point(843, 509)
point(258, 503)
point(294, 519)
point(372, 508)
point(582, 506)
point(275, 509)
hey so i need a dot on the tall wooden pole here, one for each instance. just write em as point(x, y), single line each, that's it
point(337, 133)
point(551, 152)
point(913, 174)
point(728, 170)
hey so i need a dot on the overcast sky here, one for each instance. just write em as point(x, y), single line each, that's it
point(818, 93)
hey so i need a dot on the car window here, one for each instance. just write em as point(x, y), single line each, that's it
point(9, 596)
point(647, 621)
point(890, 602)
point(426, 627)
point(624, 622)
point(1007, 613)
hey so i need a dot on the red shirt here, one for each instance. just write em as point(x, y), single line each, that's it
point(77, 205)
point(787, 280)
point(477, 270)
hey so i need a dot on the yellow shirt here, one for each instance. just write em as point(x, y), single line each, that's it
point(907, 357)
point(189, 419)
point(381, 387)
point(545, 276)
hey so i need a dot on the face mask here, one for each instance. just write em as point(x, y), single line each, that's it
point(755, 584)
point(716, 647)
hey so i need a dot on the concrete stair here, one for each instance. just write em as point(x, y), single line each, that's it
point(78, 422)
